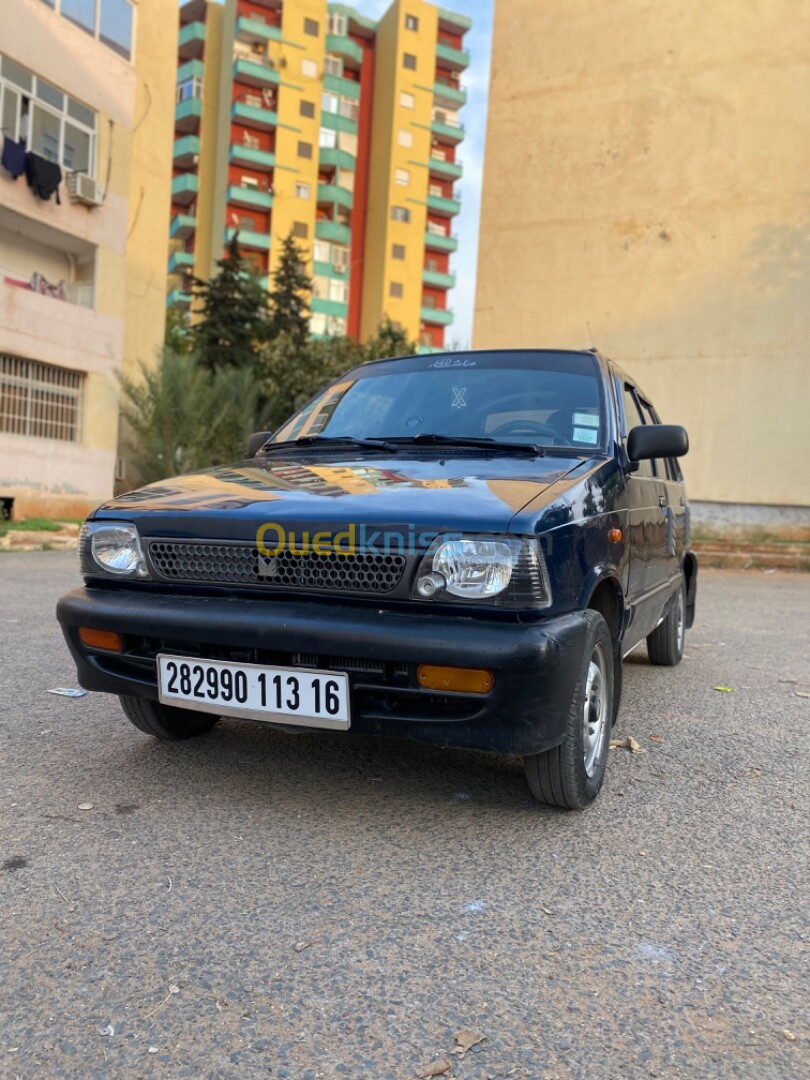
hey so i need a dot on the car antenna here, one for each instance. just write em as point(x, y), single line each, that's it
point(592, 347)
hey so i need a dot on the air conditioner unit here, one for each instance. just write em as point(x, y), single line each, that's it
point(84, 189)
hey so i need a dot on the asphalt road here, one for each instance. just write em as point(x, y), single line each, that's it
point(257, 904)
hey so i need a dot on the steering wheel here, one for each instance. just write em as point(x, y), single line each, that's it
point(530, 427)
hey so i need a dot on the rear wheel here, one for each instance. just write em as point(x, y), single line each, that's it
point(570, 775)
point(665, 643)
point(166, 721)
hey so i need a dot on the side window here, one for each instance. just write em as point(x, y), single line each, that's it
point(633, 417)
point(673, 468)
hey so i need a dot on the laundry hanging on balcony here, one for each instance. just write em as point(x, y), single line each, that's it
point(44, 177)
point(13, 158)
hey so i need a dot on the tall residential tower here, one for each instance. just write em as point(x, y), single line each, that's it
point(304, 116)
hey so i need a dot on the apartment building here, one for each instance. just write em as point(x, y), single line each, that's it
point(86, 115)
point(308, 117)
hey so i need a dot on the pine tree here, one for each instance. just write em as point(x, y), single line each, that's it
point(233, 313)
point(290, 295)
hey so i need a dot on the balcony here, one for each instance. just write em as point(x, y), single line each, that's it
point(187, 115)
point(249, 239)
point(328, 269)
point(444, 207)
point(448, 132)
point(452, 21)
point(448, 94)
point(186, 151)
point(181, 262)
point(333, 231)
point(179, 298)
point(437, 316)
point(192, 70)
point(250, 29)
point(329, 307)
point(438, 279)
point(351, 52)
point(333, 195)
point(448, 170)
point(455, 59)
point(182, 226)
point(261, 160)
point(341, 86)
point(249, 197)
point(332, 158)
point(440, 241)
point(336, 122)
point(185, 188)
point(254, 73)
point(255, 116)
point(191, 41)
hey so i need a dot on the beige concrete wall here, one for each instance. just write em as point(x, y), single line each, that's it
point(645, 190)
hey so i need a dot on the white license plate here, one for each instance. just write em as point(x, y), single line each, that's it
point(318, 699)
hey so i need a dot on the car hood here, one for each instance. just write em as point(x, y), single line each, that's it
point(459, 492)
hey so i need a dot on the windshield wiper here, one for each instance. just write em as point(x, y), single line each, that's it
point(327, 441)
point(479, 442)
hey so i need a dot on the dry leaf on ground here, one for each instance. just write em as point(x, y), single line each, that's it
point(627, 743)
point(466, 1039)
point(441, 1067)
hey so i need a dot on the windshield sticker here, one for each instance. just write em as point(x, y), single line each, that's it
point(585, 419)
point(459, 397)
point(586, 435)
point(453, 361)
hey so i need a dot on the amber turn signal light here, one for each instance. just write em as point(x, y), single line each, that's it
point(614, 535)
point(462, 680)
point(101, 639)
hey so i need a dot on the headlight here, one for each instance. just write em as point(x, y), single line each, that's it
point(113, 547)
point(508, 571)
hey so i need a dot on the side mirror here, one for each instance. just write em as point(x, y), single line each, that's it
point(657, 441)
point(257, 441)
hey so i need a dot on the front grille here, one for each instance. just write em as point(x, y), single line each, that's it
point(242, 564)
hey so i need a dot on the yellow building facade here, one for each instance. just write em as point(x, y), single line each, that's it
point(645, 191)
point(82, 280)
point(307, 117)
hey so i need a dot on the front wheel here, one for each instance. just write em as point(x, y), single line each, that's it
point(165, 721)
point(571, 774)
point(665, 643)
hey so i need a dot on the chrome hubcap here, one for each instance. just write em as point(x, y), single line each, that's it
point(594, 713)
point(681, 625)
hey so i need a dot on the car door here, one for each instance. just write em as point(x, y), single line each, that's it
point(664, 555)
point(678, 506)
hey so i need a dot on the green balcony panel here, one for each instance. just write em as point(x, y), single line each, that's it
point(178, 298)
point(186, 149)
point(345, 47)
point(339, 159)
point(333, 231)
point(450, 170)
point(335, 122)
point(193, 69)
point(182, 226)
point(249, 239)
point(438, 242)
point(437, 316)
point(457, 22)
point(452, 133)
point(445, 207)
point(333, 194)
point(455, 96)
point(249, 197)
point(456, 59)
point(327, 269)
point(438, 279)
point(181, 262)
point(262, 160)
point(254, 116)
point(248, 29)
point(185, 188)
point(255, 74)
point(363, 22)
point(187, 114)
point(341, 86)
point(191, 40)
point(329, 307)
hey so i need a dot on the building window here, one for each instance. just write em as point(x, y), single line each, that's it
point(330, 102)
point(400, 213)
point(405, 138)
point(397, 251)
point(306, 108)
point(402, 177)
point(409, 61)
point(406, 100)
point(333, 65)
point(110, 21)
point(304, 150)
point(309, 68)
point(327, 139)
point(50, 123)
point(311, 27)
point(302, 191)
point(338, 290)
point(396, 290)
point(337, 24)
point(189, 88)
point(300, 230)
point(429, 301)
point(349, 109)
point(340, 257)
point(411, 22)
point(40, 400)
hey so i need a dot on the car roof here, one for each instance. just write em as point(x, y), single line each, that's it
point(498, 352)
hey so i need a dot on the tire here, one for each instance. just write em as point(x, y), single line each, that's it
point(665, 643)
point(571, 774)
point(166, 721)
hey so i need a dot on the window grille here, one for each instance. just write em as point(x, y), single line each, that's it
point(40, 400)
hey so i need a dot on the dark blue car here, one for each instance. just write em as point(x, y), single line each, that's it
point(457, 548)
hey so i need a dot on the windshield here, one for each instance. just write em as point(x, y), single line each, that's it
point(550, 399)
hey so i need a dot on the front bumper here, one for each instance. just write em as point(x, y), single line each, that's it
point(535, 664)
